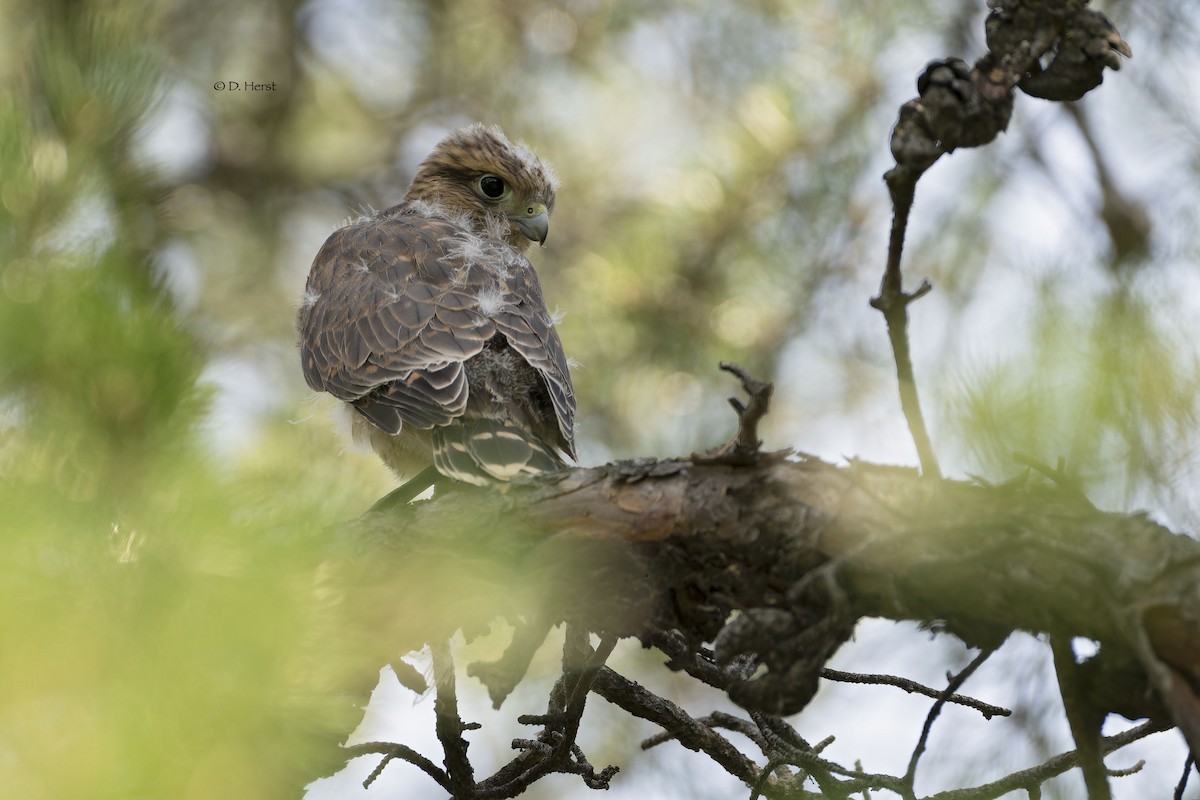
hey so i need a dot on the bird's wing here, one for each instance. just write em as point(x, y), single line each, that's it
point(397, 303)
point(529, 329)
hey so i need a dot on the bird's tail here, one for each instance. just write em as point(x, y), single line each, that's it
point(483, 451)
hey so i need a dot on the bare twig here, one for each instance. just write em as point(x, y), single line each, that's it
point(749, 415)
point(866, 793)
point(698, 663)
point(644, 704)
point(555, 747)
point(1052, 767)
point(717, 719)
point(391, 750)
point(892, 301)
point(584, 769)
point(449, 726)
point(1183, 779)
point(785, 741)
point(777, 739)
point(743, 448)
point(764, 776)
point(1127, 771)
point(953, 686)
point(780, 736)
point(912, 687)
point(580, 688)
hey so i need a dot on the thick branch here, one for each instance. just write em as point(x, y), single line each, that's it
point(1084, 721)
point(802, 550)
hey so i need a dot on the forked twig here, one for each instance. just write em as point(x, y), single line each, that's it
point(953, 686)
point(892, 301)
point(749, 415)
point(390, 751)
point(743, 448)
point(448, 725)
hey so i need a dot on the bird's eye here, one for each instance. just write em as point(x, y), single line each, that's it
point(491, 186)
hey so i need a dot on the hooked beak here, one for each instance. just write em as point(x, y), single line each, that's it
point(534, 225)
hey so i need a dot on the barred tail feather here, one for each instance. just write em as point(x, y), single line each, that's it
point(483, 451)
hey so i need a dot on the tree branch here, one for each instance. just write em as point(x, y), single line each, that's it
point(961, 106)
point(1183, 779)
point(893, 302)
point(555, 749)
point(639, 702)
point(912, 687)
point(390, 751)
point(1084, 721)
point(449, 725)
point(668, 550)
point(954, 685)
point(1052, 767)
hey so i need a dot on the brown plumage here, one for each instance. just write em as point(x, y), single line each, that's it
point(428, 320)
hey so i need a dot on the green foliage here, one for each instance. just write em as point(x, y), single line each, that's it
point(1110, 387)
point(157, 613)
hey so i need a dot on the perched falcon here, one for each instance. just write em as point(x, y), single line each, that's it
point(429, 322)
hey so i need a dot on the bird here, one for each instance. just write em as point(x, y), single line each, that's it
point(427, 320)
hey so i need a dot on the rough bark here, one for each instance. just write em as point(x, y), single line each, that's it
point(801, 549)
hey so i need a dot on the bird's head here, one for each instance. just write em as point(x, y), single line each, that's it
point(500, 186)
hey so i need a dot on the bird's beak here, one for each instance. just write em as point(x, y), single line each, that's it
point(535, 224)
